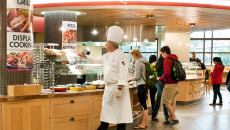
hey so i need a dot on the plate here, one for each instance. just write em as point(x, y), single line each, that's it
point(59, 89)
point(16, 67)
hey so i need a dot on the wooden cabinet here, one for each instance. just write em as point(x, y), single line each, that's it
point(71, 123)
point(190, 90)
point(37, 115)
point(28, 115)
point(1, 123)
point(70, 106)
point(15, 117)
point(96, 121)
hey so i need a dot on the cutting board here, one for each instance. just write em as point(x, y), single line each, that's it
point(23, 90)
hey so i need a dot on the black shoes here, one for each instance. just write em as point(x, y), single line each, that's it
point(166, 122)
point(173, 122)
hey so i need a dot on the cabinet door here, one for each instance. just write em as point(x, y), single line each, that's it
point(15, 117)
point(195, 91)
point(0, 116)
point(96, 121)
point(71, 123)
point(37, 115)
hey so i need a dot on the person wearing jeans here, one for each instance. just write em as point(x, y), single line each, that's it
point(217, 80)
point(159, 86)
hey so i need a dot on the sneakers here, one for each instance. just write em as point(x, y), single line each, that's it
point(155, 119)
point(166, 122)
point(173, 122)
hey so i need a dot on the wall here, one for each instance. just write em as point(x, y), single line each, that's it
point(38, 37)
point(94, 50)
point(173, 39)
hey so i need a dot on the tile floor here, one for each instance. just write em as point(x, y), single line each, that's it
point(198, 116)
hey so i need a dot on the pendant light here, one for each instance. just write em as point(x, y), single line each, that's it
point(134, 39)
point(94, 32)
point(125, 36)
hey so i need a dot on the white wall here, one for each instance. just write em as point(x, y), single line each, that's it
point(94, 50)
point(182, 51)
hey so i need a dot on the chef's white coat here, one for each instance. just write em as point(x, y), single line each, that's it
point(115, 65)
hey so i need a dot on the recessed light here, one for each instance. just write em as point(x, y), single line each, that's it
point(192, 24)
point(150, 16)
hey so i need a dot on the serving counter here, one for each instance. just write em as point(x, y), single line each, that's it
point(77, 110)
point(192, 89)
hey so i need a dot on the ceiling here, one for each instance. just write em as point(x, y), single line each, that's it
point(176, 19)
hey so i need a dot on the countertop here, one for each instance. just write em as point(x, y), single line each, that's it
point(47, 94)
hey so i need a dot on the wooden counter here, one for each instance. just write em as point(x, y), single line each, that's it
point(72, 110)
point(191, 89)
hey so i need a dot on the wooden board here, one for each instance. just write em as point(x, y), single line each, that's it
point(21, 90)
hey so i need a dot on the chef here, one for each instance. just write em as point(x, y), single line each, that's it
point(116, 105)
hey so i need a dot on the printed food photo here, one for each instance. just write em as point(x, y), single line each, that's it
point(19, 20)
point(70, 36)
point(17, 60)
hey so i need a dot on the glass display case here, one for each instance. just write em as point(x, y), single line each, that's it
point(192, 69)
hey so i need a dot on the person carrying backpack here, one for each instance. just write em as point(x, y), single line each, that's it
point(171, 88)
point(140, 77)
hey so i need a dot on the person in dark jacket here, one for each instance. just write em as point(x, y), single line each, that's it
point(193, 58)
point(217, 80)
point(152, 90)
point(159, 86)
point(171, 88)
point(202, 66)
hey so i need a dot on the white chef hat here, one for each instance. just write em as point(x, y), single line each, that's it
point(115, 34)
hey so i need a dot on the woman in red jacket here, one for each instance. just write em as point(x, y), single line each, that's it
point(216, 76)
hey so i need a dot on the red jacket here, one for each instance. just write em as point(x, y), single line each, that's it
point(217, 74)
point(166, 77)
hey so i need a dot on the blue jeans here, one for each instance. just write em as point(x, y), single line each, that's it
point(159, 86)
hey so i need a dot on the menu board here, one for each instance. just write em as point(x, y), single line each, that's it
point(19, 35)
point(69, 35)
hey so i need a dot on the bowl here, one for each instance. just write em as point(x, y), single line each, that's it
point(90, 87)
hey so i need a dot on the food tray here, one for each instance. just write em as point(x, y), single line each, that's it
point(56, 58)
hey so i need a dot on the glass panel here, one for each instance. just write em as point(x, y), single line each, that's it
point(148, 48)
point(221, 34)
point(125, 48)
point(147, 55)
point(196, 45)
point(127, 54)
point(208, 45)
point(199, 56)
point(207, 60)
point(224, 57)
point(208, 34)
point(197, 35)
point(221, 45)
point(135, 47)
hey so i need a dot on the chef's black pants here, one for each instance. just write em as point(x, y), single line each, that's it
point(104, 126)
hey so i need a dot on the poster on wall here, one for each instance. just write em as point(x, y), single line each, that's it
point(19, 35)
point(69, 35)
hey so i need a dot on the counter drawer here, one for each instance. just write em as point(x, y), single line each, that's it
point(97, 104)
point(189, 96)
point(71, 106)
point(71, 123)
point(96, 121)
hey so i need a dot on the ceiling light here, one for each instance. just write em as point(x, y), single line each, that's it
point(187, 44)
point(94, 32)
point(134, 39)
point(179, 44)
point(192, 24)
point(78, 13)
point(146, 40)
point(42, 12)
point(150, 16)
point(62, 28)
point(125, 36)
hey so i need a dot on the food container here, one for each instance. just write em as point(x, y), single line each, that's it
point(90, 87)
point(59, 89)
point(100, 86)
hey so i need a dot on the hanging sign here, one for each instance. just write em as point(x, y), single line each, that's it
point(69, 35)
point(19, 35)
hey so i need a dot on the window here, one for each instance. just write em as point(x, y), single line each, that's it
point(146, 51)
point(210, 44)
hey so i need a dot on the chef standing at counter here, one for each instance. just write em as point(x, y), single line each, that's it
point(116, 105)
